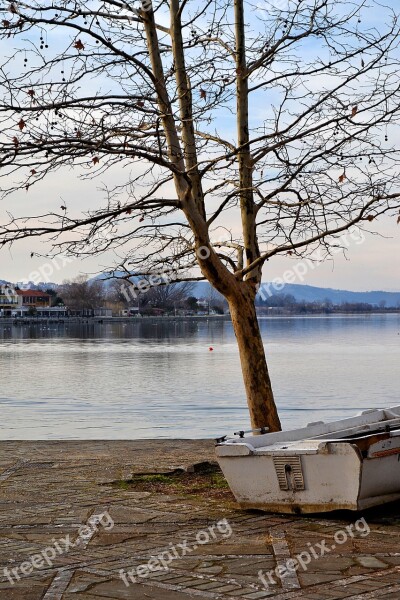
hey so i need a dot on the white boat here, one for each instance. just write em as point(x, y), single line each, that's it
point(349, 464)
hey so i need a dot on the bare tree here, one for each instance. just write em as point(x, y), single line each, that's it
point(214, 298)
point(167, 296)
point(80, 293)
point(313, 89)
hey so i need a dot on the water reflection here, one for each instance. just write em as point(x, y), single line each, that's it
point(159, 379)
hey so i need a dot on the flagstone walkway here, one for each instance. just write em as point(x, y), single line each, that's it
point(58, 500)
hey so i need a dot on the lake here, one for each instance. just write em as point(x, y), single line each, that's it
point(160, 380)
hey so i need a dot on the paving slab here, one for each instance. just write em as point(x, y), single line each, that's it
point(74, 525)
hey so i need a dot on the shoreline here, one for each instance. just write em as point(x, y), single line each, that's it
point(14, 321)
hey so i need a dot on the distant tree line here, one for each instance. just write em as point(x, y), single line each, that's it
point(82, 293)
point(287, 303)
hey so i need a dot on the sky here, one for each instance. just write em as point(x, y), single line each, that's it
point(370, 263)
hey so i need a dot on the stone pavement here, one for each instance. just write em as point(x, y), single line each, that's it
point(48, 490)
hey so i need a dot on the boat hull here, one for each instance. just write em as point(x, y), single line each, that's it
point(342, 468)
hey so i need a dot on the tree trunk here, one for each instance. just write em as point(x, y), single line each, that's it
point(260, 397)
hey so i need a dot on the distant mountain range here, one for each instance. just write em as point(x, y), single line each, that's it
point(301, 293)
point(309, 293)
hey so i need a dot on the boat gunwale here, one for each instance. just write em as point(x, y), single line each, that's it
point(316, 432)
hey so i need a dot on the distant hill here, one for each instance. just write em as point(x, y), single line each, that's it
point(301, 293)
point(31, 285)
point(309, 293)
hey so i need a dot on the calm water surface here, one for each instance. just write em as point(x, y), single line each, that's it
point(124, 381)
